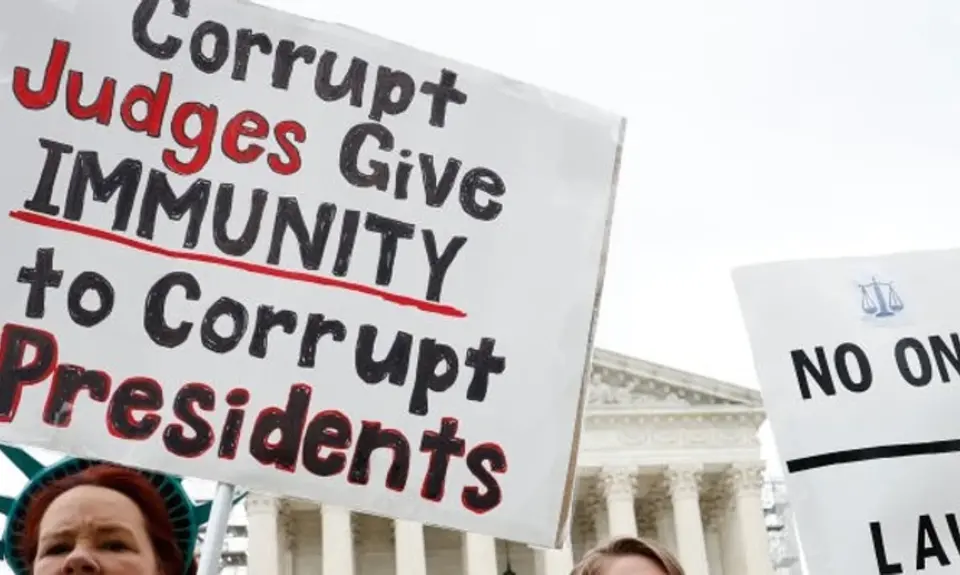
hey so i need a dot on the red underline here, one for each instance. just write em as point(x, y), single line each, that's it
point(73, 227)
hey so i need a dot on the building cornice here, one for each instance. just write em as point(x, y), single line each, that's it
point(752, 416)
point(675, 377)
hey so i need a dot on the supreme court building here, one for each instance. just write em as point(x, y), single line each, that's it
point(664, 454)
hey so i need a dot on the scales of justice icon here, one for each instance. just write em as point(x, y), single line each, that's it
point(879, 299)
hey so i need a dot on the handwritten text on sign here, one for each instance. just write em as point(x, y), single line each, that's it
point(874, 350)
point(280, 253)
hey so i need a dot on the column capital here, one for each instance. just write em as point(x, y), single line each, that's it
point(592, 505)
point(684, 481)
point(658, 496)
point(618, 482)
point(745, 478)
point(344, 512)
point(713, 509)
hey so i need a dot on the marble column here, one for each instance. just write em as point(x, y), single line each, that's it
point(684, 484)
point(410, 549)
point(732, 549)
point(263, 527)
point(714, 553)
point(337, 540)
point(618, 486)
point(746, 481)
point(479, 554)
point(557, 561)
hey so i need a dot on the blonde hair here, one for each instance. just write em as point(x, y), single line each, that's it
point(595, 559)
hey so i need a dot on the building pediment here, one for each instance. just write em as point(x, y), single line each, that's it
point(619, 381)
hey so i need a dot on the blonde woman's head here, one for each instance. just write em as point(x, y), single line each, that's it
point(628, 556)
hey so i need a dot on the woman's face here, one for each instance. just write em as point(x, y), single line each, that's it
point(632, 565)
point(94, 530)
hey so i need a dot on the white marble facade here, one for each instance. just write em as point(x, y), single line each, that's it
point(664, 454)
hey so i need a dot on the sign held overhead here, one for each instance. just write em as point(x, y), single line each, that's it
point(284, 254)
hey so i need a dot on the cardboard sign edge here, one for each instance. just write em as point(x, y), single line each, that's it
point(566, 507)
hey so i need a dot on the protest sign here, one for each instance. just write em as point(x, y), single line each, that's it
point(284, 254)
point(859, 363)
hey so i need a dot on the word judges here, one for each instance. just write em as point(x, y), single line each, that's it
point(320, 444)
point(393, 93)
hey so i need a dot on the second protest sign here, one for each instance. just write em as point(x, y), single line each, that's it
point(859, 362)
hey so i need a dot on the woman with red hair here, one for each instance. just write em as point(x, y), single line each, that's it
point(81, 516)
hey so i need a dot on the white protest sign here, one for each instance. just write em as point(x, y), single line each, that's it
point(254, 248)
point(859, 363)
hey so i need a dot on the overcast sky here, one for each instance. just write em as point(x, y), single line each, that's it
point(758, 130)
